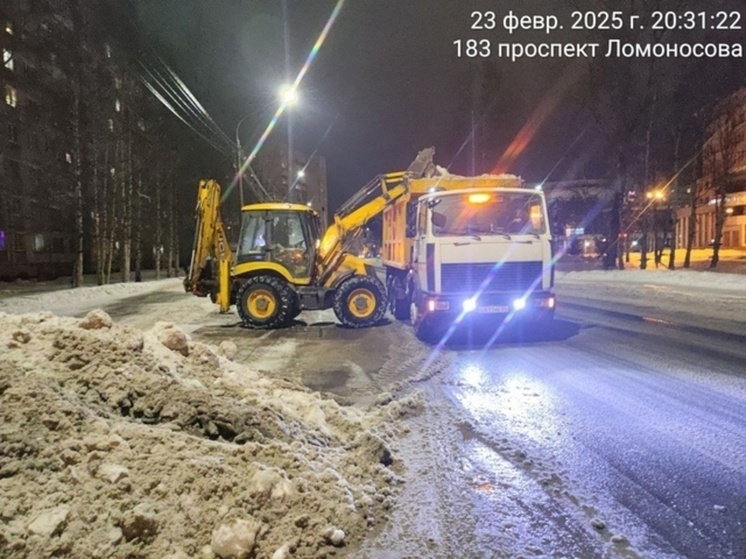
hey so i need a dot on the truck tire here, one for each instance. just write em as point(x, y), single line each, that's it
point(426, 328)
point(400, 308)
point(399, 305)
point(265, 302)
point(360, 301)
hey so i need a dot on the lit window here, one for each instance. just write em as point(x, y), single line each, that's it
point(8, 28)
point(111, 125)
point(117, 105)
point(141, 125)
point(11, 96)
point(40, 242)
point(8, 59)
point(107, 50)
point(117, 82)
point(68, 158)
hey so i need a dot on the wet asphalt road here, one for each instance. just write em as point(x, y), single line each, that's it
point(607, 436)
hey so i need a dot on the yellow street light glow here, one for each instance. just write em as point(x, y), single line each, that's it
point(657, 194)
point(479, 198)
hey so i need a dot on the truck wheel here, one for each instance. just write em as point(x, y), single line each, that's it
point(360, 301)
point(265, 302)
point(400, 308)
point(425, 327)
point(399, 305)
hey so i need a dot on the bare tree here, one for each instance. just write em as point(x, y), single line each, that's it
point(721, 153)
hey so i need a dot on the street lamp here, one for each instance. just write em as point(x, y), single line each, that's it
point(655, 194)
point(239, 159)
point(289, 97)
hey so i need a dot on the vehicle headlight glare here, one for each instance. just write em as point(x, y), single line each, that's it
point(470, 304)
point(519, 304)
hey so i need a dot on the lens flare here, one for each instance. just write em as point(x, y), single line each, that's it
point(281, 109)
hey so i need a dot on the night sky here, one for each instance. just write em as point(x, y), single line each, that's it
point(388, 82)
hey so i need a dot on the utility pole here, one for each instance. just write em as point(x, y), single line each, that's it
point(239, 161)
point(286, 36)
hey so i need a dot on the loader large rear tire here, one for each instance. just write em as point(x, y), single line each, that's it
point(265, 302)
point(360, 301)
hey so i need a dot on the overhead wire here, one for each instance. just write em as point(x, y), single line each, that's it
point(170, 107)
point(195, 103)
point(169, 104)
point(179, 96)
point(163, 82)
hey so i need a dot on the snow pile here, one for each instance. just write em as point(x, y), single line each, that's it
point(117, 442)
point(442, 172)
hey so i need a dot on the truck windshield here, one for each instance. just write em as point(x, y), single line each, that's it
point(488, 213)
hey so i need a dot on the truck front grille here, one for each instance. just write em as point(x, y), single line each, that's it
point(506, 276)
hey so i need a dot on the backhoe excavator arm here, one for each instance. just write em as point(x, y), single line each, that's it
point(210, 247)
point(362, 207)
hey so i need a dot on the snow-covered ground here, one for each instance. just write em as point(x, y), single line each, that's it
point(88, 404)
point(75, 301)
point(676, 294)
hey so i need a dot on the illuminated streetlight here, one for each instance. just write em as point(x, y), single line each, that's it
point(657, 194)
point(301, 173)
point(288, 95)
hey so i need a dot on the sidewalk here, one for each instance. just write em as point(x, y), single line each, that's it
point(28, 287)
point(732, 261)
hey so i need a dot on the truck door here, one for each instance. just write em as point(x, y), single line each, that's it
point(419, 250)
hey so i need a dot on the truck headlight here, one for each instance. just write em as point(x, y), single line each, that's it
point(519, 304)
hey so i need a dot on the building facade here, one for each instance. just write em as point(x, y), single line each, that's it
point(723, 178)
point(304, 184)
point(35, 140)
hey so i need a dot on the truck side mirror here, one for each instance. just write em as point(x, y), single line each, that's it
point(438, 219)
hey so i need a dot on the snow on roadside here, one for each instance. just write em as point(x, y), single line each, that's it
point(674, 294)
point(81, 297)
point(120, 443)
point(689, 278)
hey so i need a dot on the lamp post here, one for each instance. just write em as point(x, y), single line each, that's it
point(239, 159)
point(289, 97)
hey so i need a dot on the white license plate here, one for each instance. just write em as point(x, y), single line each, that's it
point(493, 309)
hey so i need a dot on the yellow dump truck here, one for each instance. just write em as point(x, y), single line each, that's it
point(459, 248)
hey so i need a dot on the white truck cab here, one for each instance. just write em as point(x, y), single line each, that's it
point(479, 254)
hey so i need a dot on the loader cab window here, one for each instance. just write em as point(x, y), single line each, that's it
point(289, 236)
point(253, 237)
point(285, 237)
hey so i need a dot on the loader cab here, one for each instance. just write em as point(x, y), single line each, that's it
point(285, 234)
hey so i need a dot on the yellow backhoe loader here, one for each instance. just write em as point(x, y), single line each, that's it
point(283, 263)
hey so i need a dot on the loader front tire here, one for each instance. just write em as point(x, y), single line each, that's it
point(265, 302)
point(360, 302)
